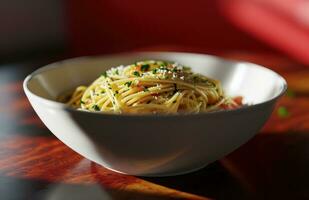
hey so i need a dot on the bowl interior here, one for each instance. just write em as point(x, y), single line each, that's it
point(255, 83)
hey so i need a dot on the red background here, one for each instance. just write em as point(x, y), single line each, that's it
point(107, 26)
point(209, 26)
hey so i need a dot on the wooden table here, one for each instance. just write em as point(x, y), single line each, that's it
point(273, 165)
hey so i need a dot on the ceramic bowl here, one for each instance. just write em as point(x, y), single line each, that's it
point(154, 145)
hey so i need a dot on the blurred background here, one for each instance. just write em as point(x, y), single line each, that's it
point(34, 29)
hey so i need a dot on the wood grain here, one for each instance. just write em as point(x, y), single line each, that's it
point(48, 159)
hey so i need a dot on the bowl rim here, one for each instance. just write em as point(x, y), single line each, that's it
point(63, 106)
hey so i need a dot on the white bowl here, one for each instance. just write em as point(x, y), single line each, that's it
point(154, 145)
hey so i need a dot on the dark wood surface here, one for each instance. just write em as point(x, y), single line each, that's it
point(273, 165)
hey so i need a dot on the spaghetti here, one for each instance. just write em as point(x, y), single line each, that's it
point(151, 87)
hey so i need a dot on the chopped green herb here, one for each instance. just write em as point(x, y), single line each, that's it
point(82, 102)
point(146, 89)
point(102, 92)
point(164, 68)
point(104, 74)
point(136, 73)
point(175, 69)
point(163, 63)
point(154, 71)
point(96, 107)
point(117, 72)
point(128, 83)
point(283, 112)
point(145, 67)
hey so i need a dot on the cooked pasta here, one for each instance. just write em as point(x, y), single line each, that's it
point(151, 87)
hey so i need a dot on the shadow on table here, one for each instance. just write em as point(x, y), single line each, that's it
point(270, 166)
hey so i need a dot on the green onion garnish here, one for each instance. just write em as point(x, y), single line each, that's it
point(136, 73)
point(128, 83)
